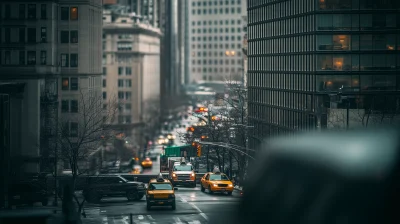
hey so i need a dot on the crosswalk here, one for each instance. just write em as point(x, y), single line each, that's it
point(146, 219)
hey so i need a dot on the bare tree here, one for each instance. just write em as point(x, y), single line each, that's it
point(81, 132)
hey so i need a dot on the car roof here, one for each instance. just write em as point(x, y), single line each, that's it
point(155, 181)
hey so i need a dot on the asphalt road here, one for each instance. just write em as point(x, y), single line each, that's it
point(192, 206)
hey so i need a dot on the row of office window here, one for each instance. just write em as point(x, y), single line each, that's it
point(216, 11)
point(69, 106)
point(215, 2)
point(124, 83)
point(70, 36)
point(69, 60)
point(25, 35)
point(303, 43)
point(122, 108)
point(326, 62)
point(124, 95)
point(25, 11)
point(221, 38)
point(215, 62)
point(280, 118)
point(289, 81)
point(221, 54)
point(215, 70)
point(221, 30)
point(325, 22)
point(30, 11)
point(295, 25)
point(69, 84)
point(23, 57)
point(361, 82)
point(216, 46)
point(216, 22)
point(280, 9)
point(291, 100)
point(124, 71)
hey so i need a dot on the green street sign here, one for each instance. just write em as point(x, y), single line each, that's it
point(179, 151)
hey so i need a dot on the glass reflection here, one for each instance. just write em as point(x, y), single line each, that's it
point(333, 42)
point(333, 82)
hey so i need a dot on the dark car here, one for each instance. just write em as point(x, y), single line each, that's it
point(98, 187)
point(28, 192)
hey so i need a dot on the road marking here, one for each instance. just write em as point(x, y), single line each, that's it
point(178, 220)
point(194, 222)
point(140, 217)
point(201, 213)
point(149, 216)
point(105, 221)
point(182, 199)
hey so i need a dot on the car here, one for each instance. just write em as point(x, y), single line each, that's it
point(152, 155)
point(216, 182)
point(98, 187)
point(183, 173)
point(147, 163)
point(160, 192)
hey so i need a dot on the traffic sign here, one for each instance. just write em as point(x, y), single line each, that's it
point(179, 151)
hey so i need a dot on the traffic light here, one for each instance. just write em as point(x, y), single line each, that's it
point(197, 146)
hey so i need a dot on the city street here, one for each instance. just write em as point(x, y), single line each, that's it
point(192, 206)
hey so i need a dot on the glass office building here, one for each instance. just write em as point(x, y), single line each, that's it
point(302, 51)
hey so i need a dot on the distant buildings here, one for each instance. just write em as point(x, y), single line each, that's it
point(49, 52)
point(310, 59)
point(131, 68)
point(215, 32)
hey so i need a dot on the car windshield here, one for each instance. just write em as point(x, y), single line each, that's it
point(218, 177)
point(161, 186)
point(183, 168)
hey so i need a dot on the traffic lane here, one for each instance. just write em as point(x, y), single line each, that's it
point(155, 218)
point(155, 169)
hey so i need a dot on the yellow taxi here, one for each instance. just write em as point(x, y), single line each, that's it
point(147, 163)
point(216, 182)
point(160, 192)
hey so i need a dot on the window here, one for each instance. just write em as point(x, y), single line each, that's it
point(123, 46)
point(64, 106)
point(74, 60)
point(74, 129)
point(31, 35)
point(22, 57)
point(104, 83)
point(65, 84)
point(64, 60)
point(120, 83)
point(74, 83)
point(64, 13)
point(74, 106)
point(128, 71)
point(120, 70)
point(7, 11)
point(31, 57)
point(128, 95)
point(22, 35)
point(7, 35)
point(74, 36)
point(104, 95)
point(31, 11)
point(22, 11)
point(43, 11)
point(104, 71)
point(43, 57)
point(64, 37)
point(333, 42)
point(74, 13)
point(7, 57)
point(43, 34)
point(120, 95)
point(128, 83)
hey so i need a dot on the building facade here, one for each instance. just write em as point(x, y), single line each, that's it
point(131, 67)
point(215, 32)
point(50, 51)
point(301, 52)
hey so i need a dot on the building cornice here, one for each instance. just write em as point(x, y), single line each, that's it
point(123, 29)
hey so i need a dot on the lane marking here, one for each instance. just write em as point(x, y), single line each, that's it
point(195, 222)
point(140, 217)
point(182, 199)
point(105, 221)
point(149, 216)
point(178, 220)
point(201, 213)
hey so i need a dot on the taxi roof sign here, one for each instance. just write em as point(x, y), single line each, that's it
point(160, 178)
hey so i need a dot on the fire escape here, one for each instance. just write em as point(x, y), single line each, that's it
point(48, 121)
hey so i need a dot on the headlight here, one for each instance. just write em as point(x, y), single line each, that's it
point(174, 175)
point(192, 174)
point(215, 185)
point(230, 185)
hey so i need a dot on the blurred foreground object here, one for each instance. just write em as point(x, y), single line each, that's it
point(347, 177)
point(31, 217)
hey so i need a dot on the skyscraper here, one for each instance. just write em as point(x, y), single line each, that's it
point(305, 54)
point(216, 39)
